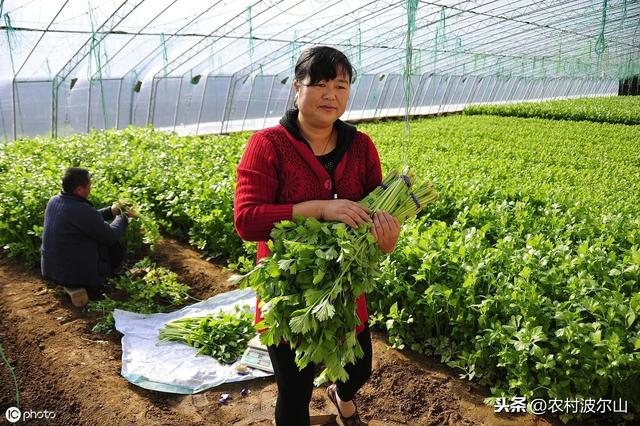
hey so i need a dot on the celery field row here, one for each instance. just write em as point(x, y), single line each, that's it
point(524, 275)
point(614, 109)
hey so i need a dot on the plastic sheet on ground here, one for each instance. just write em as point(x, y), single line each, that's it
point(174, 367)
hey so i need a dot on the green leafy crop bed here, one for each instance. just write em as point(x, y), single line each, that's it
point(186, 183)
point(615, 109)
point(525, 274)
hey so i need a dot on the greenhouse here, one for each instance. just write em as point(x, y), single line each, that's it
point(72, 66)
point(339, 212)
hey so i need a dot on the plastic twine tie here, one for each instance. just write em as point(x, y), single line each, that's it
point(415, 200)
point(406, 180)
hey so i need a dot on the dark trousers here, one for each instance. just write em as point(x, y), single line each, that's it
point(296, 386)
point(110, 262)
point(116, 257)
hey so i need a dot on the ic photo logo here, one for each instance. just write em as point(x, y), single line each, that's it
point(13, 414)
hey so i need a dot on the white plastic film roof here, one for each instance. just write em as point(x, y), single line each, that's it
point(70, 66)
point(110, 39)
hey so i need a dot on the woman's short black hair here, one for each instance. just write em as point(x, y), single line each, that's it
point(75, 177)
point(322, 63)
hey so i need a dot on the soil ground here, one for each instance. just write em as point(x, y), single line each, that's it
point(63, 367)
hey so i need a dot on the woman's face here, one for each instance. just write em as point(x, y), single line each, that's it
point(324, 102)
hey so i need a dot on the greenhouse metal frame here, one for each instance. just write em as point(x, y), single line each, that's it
point(73, 66)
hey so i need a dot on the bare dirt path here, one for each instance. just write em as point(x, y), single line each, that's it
point(63, 367)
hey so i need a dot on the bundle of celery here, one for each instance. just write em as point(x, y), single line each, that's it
point(149, 228)
point(310, 283)
point(223, 336)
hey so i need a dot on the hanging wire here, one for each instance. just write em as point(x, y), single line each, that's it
point(287, 53)
point(458, 55)
point(317, 36)
point(572, 57)
point(165, 55)
point(95, 53)
point(439, 38)
point(571, 48)
point(601, 44)
point(560, 27)
point(165, 61)
point(138, 33)
point(251, 41)
point(417, 61)
point(10, 36)
point(13, 375)
point(559, 56)
point(294, 51)
point(12, 41)
point(174, 33)
point(196, 48)
point(412, 8)
point(359, 54)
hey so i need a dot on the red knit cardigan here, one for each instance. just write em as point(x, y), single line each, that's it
point(277, 171)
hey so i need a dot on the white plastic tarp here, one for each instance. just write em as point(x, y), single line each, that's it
point(174, 367)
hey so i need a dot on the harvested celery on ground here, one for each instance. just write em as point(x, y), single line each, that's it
point(224, 336)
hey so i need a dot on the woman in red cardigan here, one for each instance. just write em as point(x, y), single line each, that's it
point(312, 165)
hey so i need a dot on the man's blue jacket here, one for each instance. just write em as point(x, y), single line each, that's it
point(76, 239)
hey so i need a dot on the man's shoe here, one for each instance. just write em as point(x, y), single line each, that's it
point(78, 295)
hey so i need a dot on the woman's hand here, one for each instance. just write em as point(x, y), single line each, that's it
point(386, 230)
point(346, 211)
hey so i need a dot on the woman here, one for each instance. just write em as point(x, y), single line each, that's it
point(312, 165)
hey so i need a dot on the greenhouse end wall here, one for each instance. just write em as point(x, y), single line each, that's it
point(216, 104)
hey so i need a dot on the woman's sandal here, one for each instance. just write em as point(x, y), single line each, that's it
point(353, 420)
